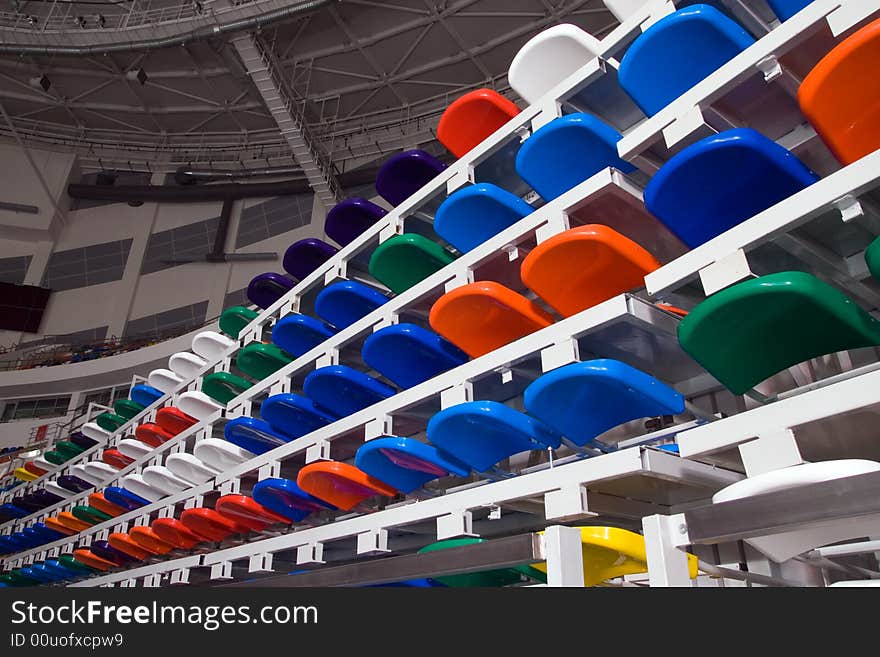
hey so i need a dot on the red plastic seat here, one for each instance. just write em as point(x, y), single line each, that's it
point(841, 96)
point(89, 558)
point(342, 485)
point(175, 532)
point(173, 420)
point(152, 434)
point(127, 545)
point(116, 458)
point(58, 526)
point(34, 469)
point(211, 524)
point(584, 266)
point(481, 317)
point(99, 502)
point(248, 512)
point(147, 539)
point(472, 118)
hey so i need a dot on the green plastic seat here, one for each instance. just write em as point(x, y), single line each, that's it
point(90, 514)
point(872, 257)
point(110, 421)
point(404, 260)
point(127, 408)
point(486, 578)
point(17, 578)
point(224, 387)
point(261, 360)
point(234, 319)
point(68, 449)
point(56, 458)
point(752, 330)
point(68, 561)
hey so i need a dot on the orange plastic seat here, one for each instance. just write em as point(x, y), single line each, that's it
point(152, 434)
point(58, 526)
point(127, 545)
point(584, 266)
point(211, 524)
point(89, 558)
point(175, 532)
point(481, 317)
point(342, 485)
point(34, 469)
point(99, 502)
point(70, 521)
point(841, 96)
point(116, 458)
point(472, 118)
point(248, 512)
point(146, 538)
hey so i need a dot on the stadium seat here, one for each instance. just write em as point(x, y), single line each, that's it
point(404, 174)
point(471, 118)
point(404, 260)
point(407, 354)
point(351, 217)
point(475, 213)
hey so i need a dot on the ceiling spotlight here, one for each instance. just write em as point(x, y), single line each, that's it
point(40, 82)
point(137, 75)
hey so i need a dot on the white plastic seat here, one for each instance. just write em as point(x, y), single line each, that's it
point(211, 345)
point(548, 58)
point(93, 431)
point(133, 449)
point(101, 471)
point(136, 484)
point(198, 404)
point(186, 466)
point(220, 454)
point(161, 478)
point(786, 545)
point(186, 365)
point(623, 9)
point(52, 487)
point(80, 470)
point(164, 380)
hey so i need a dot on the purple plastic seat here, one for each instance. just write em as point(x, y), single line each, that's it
point(266, 289)
point(405, 174)
point(305, 256)
point(350, 218)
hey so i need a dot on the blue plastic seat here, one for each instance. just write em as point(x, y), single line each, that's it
point(8, 545)
point(305, 256)
point(266, 289)
point(256, 436)
point(298, 334)
point(405, 463)
point(62, 573)
point(476, 213)
point(124, 498)
point(28, 539)
point(722, 180)
point(785, 9)
point(408, 354)
point(566, 152)
point(345, 302)
point(584, 400)
point(48, 534)
point(406, 173)
point(284, 497)
point(36, 574)
point(294, 415)
point(144, 394)
point(14, 511)
point(351, 217)
point(677, 52)
point(481, 433)
point(343, 390)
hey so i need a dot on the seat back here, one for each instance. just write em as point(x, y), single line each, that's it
point(473, 214)
point(266, 289)
point(197, 404)
point(298, 334)
point(342, 485)
point(259, 360)
point(406, 173)
point(405, 463)
point(405, 260)
point(219, 454)
point(173, 420)
point(211, 345)
point(408, 354)
point(567, 151)
point(676, 53)
point(345, 302)
point(235, 318)
point(255, 436)
point(127, 408)
point(145, 395)
point(173, 531)
point(722, 180)
point(473, 117)
point(248, 512)
point(343, 390)
point(841, 96)
point(224, 387)
point(285, 498)
point(349, 218)
point(305, 256)
point(294, 415)
point(752, 330)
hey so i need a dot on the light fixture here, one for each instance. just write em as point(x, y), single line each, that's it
point(40, 82)
point(137, 75)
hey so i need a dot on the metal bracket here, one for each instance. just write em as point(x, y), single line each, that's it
point(512, 252)
point(271, 470)
point(459, 394)
point(850, 208)
point(230, 487)
point(373, 542)
point(260, 563)
point(318, 452)
point(458, 280)
point(567, 503)
point(770, 68)
point(311, 553)
point(557, 355)
point(180, 576)
point(725, 272)
point(379, 428)
point(281, 386)
point(222, 570)
point(328, 359)
point(459, 179)
point(153, 581)
point(167, 511)
point(338, 271)
point(685, 127)
point(556, 223)
point(770, 451)
point(458, 523)
point(506, 375)
point(387, 232)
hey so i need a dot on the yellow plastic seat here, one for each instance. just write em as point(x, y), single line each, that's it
point(24, 475)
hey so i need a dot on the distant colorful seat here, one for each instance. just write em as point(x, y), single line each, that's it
point(133, 448)
point(345, 302)
point(259, 360)
point(298, 334)
point(110, 421)
point(550, 57)
point(72, 483)
point(70, 521)
point(124, 498)
point(56, 525)
point(95, 431)
point(211, 345)
point(256, 436)
point(584, 266)
point(34, 469)
point(677, 52)
point(872, 257)
point(405, 463)
point(148, 540)
point(89, 558)
point(566, 152)
point(152, 434)
point(210, 524)
point(285, 498)
point(116, 459)
point(471, 118)
point(842, 99)
point(165, 380)
point(248, 512)
point(24, 475)
point(266, 289)
point(481, 317)
point(482, 433)
point(145, 395)
point(136, 484)
point(106, 551)
point(343, 390)
point(405, 260)
point(305, 256)
point(173, 531)
point(405, 173)
point(186, 466)
point(173, 420)
point(473, 214)
point(127, 408)
point(186, 365)
point(234, 319)
point(294, 415)
point(351, 217)
point(342, 485)
point(583, 400)
point(752, 330)
point(99, 472)
point(219, 454)
point(81, 440)
point(162, 479)
point(89, 514)
point(722, 180)
point(198, 405)
point(98, 501)
point(408, 354)
point(785, 9)
point(127, 545)
point(224, 387)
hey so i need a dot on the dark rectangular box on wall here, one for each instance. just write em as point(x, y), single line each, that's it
point(22, 307)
